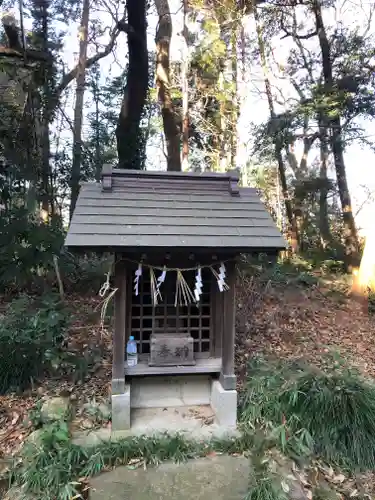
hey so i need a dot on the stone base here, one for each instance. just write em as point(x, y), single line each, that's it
point(121, 410)
point(224, 405)
point(167, 391)
point(173, 392)
point(229, 382)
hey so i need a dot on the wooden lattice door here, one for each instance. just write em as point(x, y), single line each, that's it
point(166, 317)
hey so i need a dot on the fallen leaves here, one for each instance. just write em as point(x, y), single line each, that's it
point(288, 322)
point(83, 338)
point(295, 323)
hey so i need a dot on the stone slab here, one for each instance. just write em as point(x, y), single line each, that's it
point(217, 478)
point(156, 392)
point(194, 422)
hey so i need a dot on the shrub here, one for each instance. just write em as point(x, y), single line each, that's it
point(27, 246)
point(336, 408)
point(264, 269)
point(30, 332)
point(83, 273)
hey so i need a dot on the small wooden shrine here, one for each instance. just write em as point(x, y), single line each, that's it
point(175, 237)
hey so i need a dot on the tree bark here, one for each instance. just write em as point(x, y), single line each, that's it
point(293, 228)
point(78, 109)
point(43, 135)
point(350, 230)
point(163, 84)
point(130, 145)
point(185, 92)
point(325, 232)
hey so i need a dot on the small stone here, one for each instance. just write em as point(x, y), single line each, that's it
point(56, 409)
point(105, 411)
point(87, 424)
point(35, 438)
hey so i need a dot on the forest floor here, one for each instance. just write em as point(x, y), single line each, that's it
point(279, 321)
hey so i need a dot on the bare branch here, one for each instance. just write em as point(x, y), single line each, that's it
point(72, 74)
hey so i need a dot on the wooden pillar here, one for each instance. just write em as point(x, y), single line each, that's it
point(227, 376)
point(217, 319)
point(118, 361)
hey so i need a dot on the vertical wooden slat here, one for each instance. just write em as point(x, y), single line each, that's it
point(227, 376)
point(218, 320)
point(212, 319)
point(118, 363)
point(141, 300)
point(200, 328)
point(129, 305)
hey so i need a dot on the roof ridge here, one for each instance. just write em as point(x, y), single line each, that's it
point(109, 173)
point(120, 172)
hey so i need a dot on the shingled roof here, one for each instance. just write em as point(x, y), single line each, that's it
point(138, 209)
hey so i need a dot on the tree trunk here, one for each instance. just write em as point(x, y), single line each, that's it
point(78, 110)
point(293, 229)
point(350, 230)
point(185, 92)
point(47, 198)
point(130, 143)
point(41, 16)
point(325, 233)
point(235, 99)
point(163, 85)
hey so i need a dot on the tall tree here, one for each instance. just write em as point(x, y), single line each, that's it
point(78, 109)
point(278, 144)
point(351, 236)
point(163, 83)
point(185, 89)
point(130, 143)
point(42, 39)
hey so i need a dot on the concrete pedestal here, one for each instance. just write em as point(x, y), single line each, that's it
point(121, 410)
point(196, 392)
point(224, 405)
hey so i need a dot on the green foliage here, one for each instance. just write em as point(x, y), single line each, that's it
point(31, 332)
point(332, 409)
point(84, 274)
point(333, 266)
point(27, 248)
point(265, 488)
point(27, 245)
point(295, 270)
point(35, 416)
point(53, 468)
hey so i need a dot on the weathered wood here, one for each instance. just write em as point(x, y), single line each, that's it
point(202, 365)
point(227, 376)
point(205, 201)
point(218, 319)
point(171, 350)
point(118, 377)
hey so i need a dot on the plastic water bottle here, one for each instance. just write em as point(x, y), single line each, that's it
point(131, 351)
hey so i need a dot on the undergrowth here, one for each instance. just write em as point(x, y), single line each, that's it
point(54, 468)
point(331, 412)
point(31, 332)
point(263, 483)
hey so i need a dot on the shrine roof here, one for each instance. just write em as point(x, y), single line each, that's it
point(132, 209)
